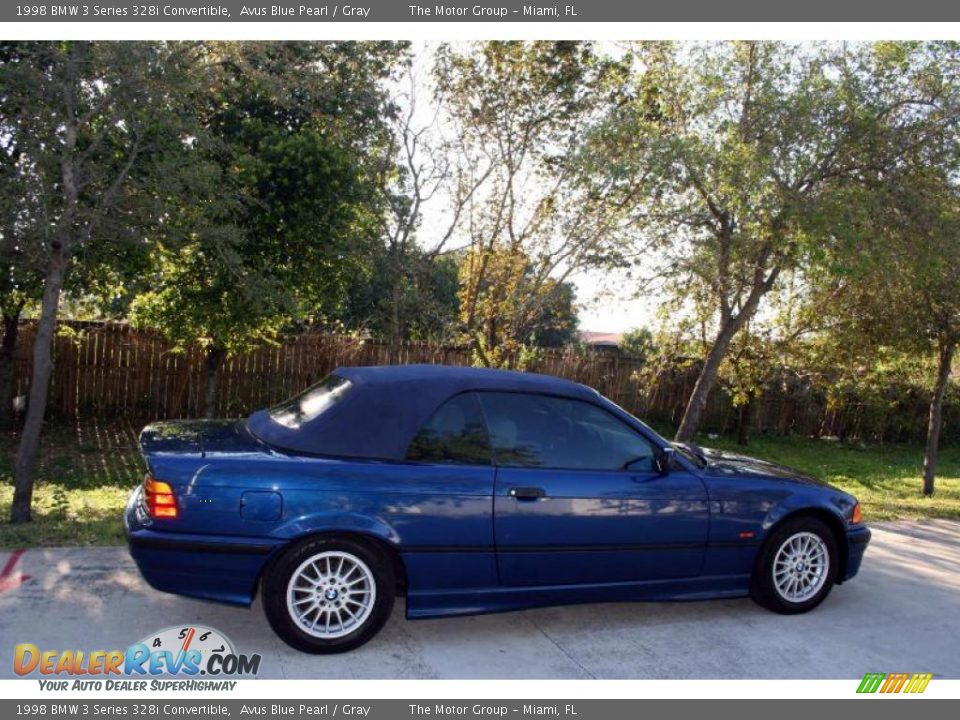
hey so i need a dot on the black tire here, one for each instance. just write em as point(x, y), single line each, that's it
point(277, 581)
point(764, 589)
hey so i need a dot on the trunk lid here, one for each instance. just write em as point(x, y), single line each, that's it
point(175, 449)
point(197, 437)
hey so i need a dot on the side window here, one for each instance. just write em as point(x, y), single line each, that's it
point(540, 431)
point(455, 433)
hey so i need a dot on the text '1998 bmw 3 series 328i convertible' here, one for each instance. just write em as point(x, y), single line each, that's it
point(469, 491)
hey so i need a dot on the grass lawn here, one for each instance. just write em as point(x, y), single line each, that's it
point(87, 470)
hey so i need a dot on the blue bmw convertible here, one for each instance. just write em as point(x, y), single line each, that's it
point(469, 491)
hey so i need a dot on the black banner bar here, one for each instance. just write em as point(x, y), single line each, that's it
point(567, 11)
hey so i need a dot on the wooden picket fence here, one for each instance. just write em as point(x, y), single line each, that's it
point(111, 371)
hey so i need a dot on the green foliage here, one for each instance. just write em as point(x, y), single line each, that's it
point(638, 343)
point(747, 146)
point(896, 270)
point(102, 107)
point(86, 136)
point(506, 311)
point(281, 217)
point(744, 149)
point(88, 129)
point(555, 322)
point(422, 299)
point(297, 235)
point(899, 282)
point(60, 503)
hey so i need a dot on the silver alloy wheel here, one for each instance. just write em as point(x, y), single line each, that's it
point(801, 567)
point(331, 594)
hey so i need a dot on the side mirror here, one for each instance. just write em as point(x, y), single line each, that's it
point(663, 460)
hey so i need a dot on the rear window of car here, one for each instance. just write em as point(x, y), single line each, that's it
point(312, 402)
point(454, 434)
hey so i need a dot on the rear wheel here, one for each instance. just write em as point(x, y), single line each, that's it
point(328, 595)
point(797, 567)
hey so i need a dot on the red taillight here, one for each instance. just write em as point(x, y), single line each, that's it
point(855, 517)
point(159, 497)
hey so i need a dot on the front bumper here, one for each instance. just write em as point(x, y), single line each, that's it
point(209, 567)
point(858, 536)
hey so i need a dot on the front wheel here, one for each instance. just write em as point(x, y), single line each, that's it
point(797, 567)
point(328, 595)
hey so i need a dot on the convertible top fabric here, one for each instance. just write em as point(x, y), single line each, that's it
point(387, 405)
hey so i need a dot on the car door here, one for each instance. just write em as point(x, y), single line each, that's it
point(446, 526)
point(578, 497)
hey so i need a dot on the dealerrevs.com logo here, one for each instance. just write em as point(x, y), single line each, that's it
point(894, 683)
point(178, 651)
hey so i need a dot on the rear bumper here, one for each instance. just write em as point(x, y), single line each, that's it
point(857, 539)
point(209, 567)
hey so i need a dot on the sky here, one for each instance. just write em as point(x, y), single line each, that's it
point(607, 303)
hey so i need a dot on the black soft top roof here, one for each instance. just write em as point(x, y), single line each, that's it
point(387, 405)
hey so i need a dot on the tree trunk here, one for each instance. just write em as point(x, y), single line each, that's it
point(947, 348)
point(729, 327)
point(212, 364)
point(39, 386)
point(693, 415)
point(11, 330)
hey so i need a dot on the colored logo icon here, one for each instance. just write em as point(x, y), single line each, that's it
point(894, 682)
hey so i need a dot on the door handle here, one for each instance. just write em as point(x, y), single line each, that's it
point(526, 494)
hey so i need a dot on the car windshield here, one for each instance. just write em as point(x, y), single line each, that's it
point(312, 402)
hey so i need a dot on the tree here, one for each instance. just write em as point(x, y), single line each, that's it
point(507, 311)
point(85, 116)
point(420, 303)
point(740, 144)
point(21, 225)
point(289, 133)
point(419, 169)
point(901, 279)
point(638, 343)
point(518, 113)
point(21, 269)
point(555, 323)
point(894, 264)
point(775, 348)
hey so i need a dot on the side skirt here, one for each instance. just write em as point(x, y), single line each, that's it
point(428, 604)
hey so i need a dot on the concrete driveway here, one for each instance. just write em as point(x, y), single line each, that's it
point(901, 614)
